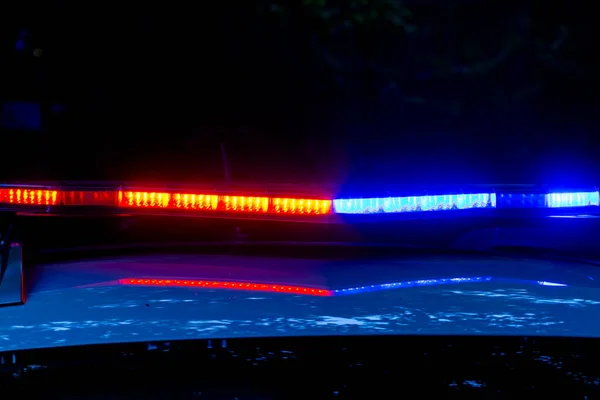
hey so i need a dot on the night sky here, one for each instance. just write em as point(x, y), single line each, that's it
point(152, 92)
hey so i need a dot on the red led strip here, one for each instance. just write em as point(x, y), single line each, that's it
point(47, 197)
point(167, 201)
point(206, 202)
point(259, 287)
point(24, 196)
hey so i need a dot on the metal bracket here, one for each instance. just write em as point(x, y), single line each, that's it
point(12, 290)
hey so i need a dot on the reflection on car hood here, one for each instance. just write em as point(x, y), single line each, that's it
point(167, 298)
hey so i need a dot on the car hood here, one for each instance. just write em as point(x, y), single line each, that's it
point(203, 296)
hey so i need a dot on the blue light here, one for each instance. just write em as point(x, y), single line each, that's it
point(436, 282)
point(545, 283)
point(577, 199)
point(414, 203)
point(20, 45)
point(521, 200)
point(407, 284)
point(21, 116)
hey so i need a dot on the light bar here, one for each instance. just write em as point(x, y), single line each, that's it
point(221, 202)
point(414, 203)
point(251, 286)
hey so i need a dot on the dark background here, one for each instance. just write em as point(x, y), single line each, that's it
point(460, 91)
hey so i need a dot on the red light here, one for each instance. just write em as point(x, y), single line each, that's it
point(251, 286)
point(22, 196)
point(89, 198)
point(301, 206)
point(183, 201)
point(206, 202)
point(243, 203)
point(166, 200)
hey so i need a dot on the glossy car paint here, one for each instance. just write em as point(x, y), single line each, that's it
point(86, 302)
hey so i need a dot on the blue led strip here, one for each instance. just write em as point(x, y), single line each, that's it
point(414, 203)
point(576, 199)
point(436, 282)
point(407, 284)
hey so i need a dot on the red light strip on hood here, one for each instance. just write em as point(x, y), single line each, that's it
point(250, 286)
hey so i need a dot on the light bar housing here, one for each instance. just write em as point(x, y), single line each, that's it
point(289, 202)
